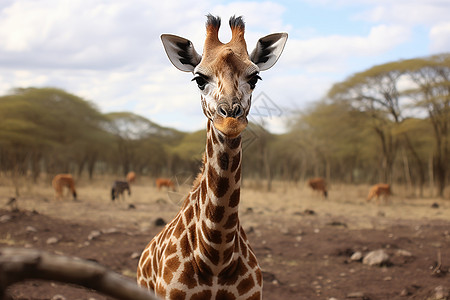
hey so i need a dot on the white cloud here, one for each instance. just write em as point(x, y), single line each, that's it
point(440, 37)
point(406, 12)
point(332, 53)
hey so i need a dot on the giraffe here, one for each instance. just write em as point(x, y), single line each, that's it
point(203, 253)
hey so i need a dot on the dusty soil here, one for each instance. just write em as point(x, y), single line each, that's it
point(303, 242)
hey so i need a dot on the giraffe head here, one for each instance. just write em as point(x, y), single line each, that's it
point(225, 74)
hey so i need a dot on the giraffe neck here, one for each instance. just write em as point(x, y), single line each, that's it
point(217, 200)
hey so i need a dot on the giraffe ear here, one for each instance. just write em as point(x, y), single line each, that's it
point(268, 50)
point(181, 52)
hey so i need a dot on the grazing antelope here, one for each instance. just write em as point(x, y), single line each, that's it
point(118, 188)
point(160, 182)
point(131, 177)
point(379, 189)
point(204, 253)
point(63, 180)
point(318, 184)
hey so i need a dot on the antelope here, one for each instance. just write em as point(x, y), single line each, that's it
point(131, 177)
point(118, 188)
point(63, 180)
point(318, 184)
point(160, 182)
point(379, 189)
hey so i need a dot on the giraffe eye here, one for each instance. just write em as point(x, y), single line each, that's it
point(253, 80)
point(201, 81)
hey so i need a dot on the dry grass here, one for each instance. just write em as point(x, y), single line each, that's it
point(345, 203)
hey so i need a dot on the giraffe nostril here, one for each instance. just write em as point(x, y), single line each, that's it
point(222, 110)
point(237, 111)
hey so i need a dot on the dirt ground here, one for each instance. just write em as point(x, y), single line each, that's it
point(303, 242)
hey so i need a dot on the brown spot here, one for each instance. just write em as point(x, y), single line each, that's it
point(177, 294)
point(217, 184)
point(171, 248)
point(173, 263)
point(259, 277)
point(203, 272)
point(229, 237)
point(221, 138)
point(223, 160)
point(203, 187)
point(252, 261)
point(232, 221)
point(234, 143)
point(225, 295)
point(189, 214)
point(255, 296)
point(210, 148)
point(179, 229)
point(213, 136)
point(235, 161)
point(234, 198)
point(184, 245)
point(167, 275)
point(214, 213)
point(201, 295)
point(227, 254)
point(230, 275)
point(187, 276)
point(214, 236)
point(245, 285)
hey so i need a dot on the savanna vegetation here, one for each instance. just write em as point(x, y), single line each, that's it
point(389, 123)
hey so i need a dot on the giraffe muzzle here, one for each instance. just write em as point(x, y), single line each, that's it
point(226, 111)
point(230, 119)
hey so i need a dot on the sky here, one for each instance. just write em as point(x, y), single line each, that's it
point(109, 52)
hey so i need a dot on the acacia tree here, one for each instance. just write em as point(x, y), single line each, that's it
point(432, 92)
point(376, 92)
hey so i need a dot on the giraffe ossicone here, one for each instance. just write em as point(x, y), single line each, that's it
point(203, 253)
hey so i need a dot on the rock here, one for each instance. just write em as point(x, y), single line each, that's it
point(309, 212)
point(160, 222)
point(135, 255)
point(357, 295)
point(401, 252)
point(337, 223)
point(110, 230)
point(30, 229)
point(376, 258)
point(94, 234)
point(52, 240)
point(440, 293)
point(131, 206)
point(58, 297)
point(5, 218)
point(434, 205)
point(357, 256)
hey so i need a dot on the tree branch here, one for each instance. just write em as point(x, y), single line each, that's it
point(18, 264)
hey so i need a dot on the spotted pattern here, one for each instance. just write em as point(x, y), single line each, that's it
point(203, 252)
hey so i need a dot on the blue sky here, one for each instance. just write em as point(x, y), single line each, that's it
point(109, 51)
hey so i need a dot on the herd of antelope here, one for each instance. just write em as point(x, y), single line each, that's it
point(61, 181)
point(118, 188)
point(381, 189)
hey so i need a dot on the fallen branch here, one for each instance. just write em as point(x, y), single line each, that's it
point(18, 264)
